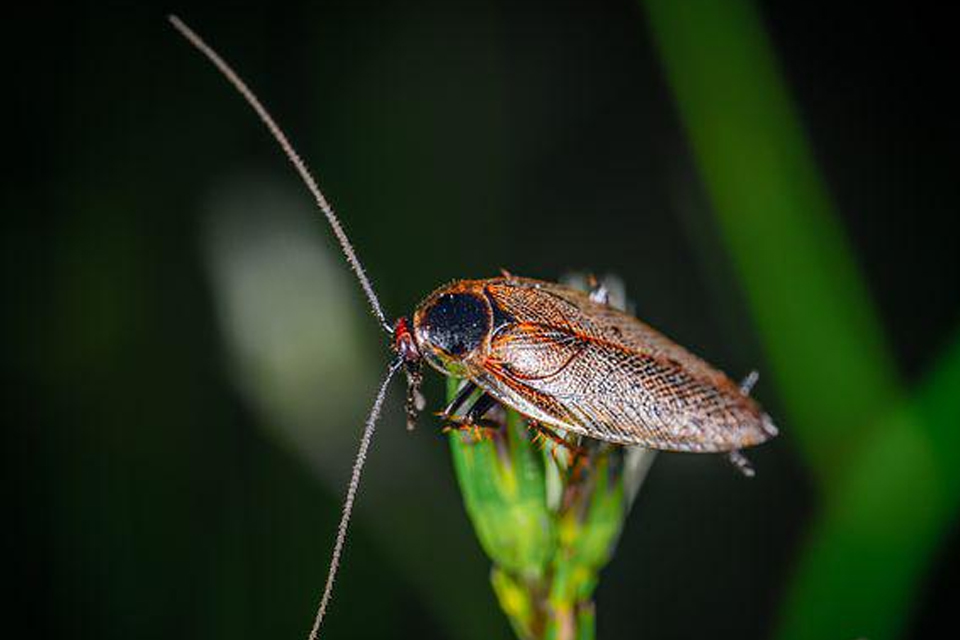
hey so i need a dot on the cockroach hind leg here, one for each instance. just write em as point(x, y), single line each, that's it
point(740, 461)
point(748, 383)
point(769, 428)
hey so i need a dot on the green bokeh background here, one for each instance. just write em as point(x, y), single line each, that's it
point(189, 364)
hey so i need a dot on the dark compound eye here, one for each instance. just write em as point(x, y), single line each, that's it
point(457, 322)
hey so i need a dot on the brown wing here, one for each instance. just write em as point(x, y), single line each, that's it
point(568, 361)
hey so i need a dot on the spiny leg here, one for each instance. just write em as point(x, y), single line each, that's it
point(462, 396)
point(598, 290)
point(575, 452)
point(741, 462)
point(473, 419)
point(747, 385)
point(479, 408)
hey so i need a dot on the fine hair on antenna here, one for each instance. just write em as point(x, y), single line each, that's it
point(301, 167)
point(351, 496)
point(354, 262)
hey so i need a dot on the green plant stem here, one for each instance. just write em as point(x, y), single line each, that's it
point(881, 526)
point(548, 527)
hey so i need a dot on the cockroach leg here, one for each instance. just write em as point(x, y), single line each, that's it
point(474, 413)
point(741, 462)
point(573, 451)
point(479, 408)
point(578, 466)
point(506, 274)
point(472, 420)
point(479, 430)
point(598, 291)
point(747, 385)
point(550, 434)
point(538, 439)
point(462, 395)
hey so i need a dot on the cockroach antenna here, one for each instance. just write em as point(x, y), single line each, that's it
point(233, 78)
point(348, 251)
point(368, 429)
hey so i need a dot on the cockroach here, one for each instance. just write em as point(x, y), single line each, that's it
point(562, 358)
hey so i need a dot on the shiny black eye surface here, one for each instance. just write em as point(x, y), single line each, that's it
point(457, 322)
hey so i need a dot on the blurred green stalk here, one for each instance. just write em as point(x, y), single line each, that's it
point(549, 528)
point(888, 467)
point(880, 528)
point(814, 314)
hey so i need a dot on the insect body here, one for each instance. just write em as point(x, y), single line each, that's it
point(566, 360)
point(559, 356)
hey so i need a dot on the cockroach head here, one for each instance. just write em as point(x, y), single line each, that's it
point(404, 344)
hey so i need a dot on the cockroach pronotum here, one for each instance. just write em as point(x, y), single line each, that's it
point(562, 358)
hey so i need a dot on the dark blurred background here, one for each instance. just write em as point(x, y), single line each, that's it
point(190, 362)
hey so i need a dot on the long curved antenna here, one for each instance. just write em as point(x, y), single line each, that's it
point(351, 496)
point(291, 153)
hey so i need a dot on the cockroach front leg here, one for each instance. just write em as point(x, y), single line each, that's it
point(473, 419)
point(479, 408)
point(462, 396)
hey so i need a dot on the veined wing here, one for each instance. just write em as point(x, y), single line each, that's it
point(573, 363)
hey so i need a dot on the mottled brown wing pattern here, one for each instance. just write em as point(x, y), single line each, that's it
point(603, 373)
point(556, 305)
